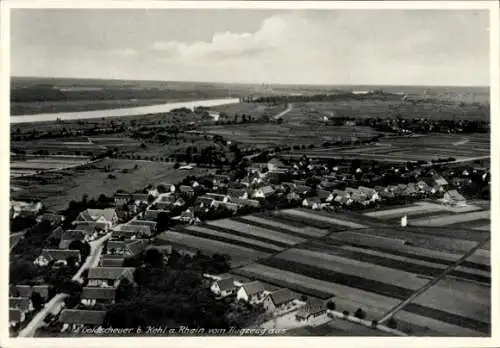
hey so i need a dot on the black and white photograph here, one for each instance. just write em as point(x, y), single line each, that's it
point(249, 171)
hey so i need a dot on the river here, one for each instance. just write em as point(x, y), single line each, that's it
point(133, 111)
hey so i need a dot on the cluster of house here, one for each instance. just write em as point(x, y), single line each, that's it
point(20, 303)
point(273, 302)
point(127, 240)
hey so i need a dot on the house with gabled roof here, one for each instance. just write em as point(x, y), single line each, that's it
point(313, 203)
point(302, 190)
point(221, 180)
point(21, 303)
point(111, 261)
point(28, 290)
point(223, 287)
point(107, 216)
point(252, 292)
point(370, 193)
point(263, 192)
point(323, 194)
point(278, 300)
point(313, 308)
point(92, 295)
point(59, 257)
point(219, 197)
point(128, 248)
point(109, 276)
point(187, 190)
point(237, 193)
point(204, 202)
point(453, 197)
point(149, 223)
point(54, 219)
point(76, 319)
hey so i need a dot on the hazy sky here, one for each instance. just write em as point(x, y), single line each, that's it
point(413, 47)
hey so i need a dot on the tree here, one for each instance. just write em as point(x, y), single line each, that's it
point(71, 262)
point(125, 291)
point(303, 298)
point(37, 301)
point(392, 323)
point(153, 257)
point(360, 314)
point(345, 313)
point(176, 165)
point(330, 305)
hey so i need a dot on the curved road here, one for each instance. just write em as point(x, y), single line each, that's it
point(57, 302)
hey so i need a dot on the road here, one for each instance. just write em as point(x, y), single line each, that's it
point(433, 282)
point(284, 112)
point(57, 302)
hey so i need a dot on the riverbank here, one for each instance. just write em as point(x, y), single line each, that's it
point(119, 112)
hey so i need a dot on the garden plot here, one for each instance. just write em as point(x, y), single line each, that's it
point(256, 231)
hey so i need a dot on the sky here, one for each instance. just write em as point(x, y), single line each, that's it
point(337, 47)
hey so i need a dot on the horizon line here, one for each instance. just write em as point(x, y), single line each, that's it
point(249, 83)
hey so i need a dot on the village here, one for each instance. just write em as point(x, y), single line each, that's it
point(101, 244)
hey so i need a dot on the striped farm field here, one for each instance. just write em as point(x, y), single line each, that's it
point(445, 298)
point(398, 212)
point(421, 238)
point(238, 254)
point(406, 264)
point(252, 230)
point(321, 217)
point(306, 231)
point(451, 219)
point(441, 328)
point(315, 287)
point(340, 278)
point(332, 262)
point(235, 238)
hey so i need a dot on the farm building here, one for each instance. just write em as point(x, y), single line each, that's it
point(223, 287)
point(129, 230)
point(93, 295)
point(263, 192)
point(278, 300)
point(25, 209)
point(109, 276)
point(312, 309)
point(75, 319)
point(247, 202)
point(251, 292)
point(187, 190)
point(57, 256)
point(313, 203)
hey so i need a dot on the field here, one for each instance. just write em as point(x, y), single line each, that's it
point(472, 216)
point(388, 108)
point(403, 149)
point(32, 165)
point(72, 184)
point(346, 259)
